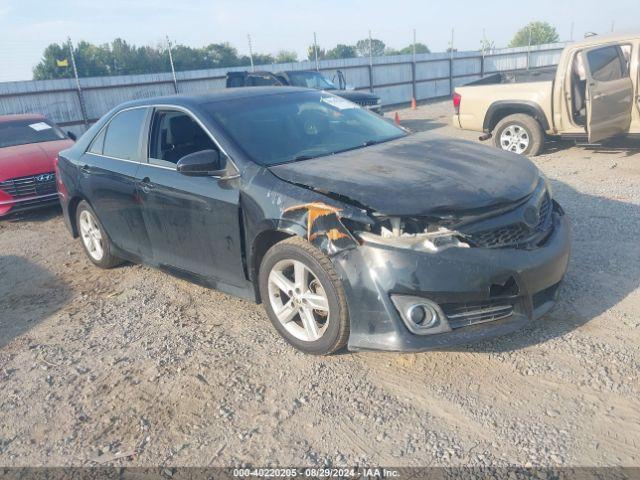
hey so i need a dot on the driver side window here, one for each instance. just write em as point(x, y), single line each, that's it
point(175, 134)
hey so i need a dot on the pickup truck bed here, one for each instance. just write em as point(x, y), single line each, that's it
point(536, 75)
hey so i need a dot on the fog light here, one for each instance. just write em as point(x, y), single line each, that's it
point(421, 315)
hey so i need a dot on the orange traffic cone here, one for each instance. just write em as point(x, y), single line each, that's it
point(413, 104)
point(396, 119)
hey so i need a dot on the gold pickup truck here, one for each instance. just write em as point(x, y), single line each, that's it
point(591, 95)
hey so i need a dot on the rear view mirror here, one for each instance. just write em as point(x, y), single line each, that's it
point(205, 163)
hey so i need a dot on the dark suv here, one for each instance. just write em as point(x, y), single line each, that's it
point(349, 229)
point(305, 79)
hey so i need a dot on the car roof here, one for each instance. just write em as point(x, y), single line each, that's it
point(21, 117)
point(602, 39)
point(183, 100)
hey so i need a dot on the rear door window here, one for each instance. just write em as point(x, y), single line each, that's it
point(122, 138)
point(605, 64)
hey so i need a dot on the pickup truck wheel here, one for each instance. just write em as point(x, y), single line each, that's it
point(519, 133)
point(304, 297)
point(95, 241)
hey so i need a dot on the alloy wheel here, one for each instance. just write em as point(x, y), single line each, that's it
point(299, 300)
point(91, 235)
point(515, 138)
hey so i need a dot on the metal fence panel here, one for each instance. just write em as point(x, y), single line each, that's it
point(435, 75)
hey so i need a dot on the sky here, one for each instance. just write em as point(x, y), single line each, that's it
point(28, 26)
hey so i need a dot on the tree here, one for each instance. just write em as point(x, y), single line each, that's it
point(286, 56)
point(311, 53)
point(420, 48)
point(342, 51)
point(220, 55)
point(377, 47)
point(540, 32)
point(48, 68)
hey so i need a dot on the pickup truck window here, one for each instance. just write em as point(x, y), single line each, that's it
point(605, 64)
point(313, 80)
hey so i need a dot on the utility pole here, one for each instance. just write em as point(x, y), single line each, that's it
point(370, 64)
point(529, 49)
point(613, 24)
point(414, 45)
point(173, 70)
point(83, 110)
point(571, 35)
point(451, 44)
point(315, 50)
point(253, 68)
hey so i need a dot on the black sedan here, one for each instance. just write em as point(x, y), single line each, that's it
point(350, 230)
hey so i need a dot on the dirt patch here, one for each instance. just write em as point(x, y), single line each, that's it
point(96, 365)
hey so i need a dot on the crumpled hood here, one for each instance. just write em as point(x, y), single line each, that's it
point(419, 175)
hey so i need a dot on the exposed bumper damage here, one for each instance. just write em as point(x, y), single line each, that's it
point(475, 292)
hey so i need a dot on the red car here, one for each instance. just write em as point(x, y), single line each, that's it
point(29, 146)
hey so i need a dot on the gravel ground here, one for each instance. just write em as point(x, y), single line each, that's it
point(133, 367)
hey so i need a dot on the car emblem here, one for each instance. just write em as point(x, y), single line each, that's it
point(45, 177)
point(531, 216)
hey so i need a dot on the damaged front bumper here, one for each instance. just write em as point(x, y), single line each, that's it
point(476, 292)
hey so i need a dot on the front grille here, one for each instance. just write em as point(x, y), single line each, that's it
point(465, 314)
point(30, 186)
point(517, 233)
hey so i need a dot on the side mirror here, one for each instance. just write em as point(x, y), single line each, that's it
point(72, 135)
point(205, 163)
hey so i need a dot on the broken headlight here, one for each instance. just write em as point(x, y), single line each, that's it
point(414, 234)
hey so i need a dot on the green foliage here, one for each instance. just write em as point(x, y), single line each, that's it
point(311, 54)
point(286, 56)
point(420, 48)
point(122, 58)
point(541, 32)
point(342, 51)
point(377, 47)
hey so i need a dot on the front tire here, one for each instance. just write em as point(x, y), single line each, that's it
point(94, 238)
point(519, 133)
point(304, 297)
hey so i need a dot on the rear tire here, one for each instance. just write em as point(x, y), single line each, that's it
point(519, 133)
point(94, 238)
point(299, 282)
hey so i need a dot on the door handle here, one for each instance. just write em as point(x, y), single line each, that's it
point(85, 169)
point(146, 186)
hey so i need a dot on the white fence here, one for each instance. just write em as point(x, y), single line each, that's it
point(396, 79)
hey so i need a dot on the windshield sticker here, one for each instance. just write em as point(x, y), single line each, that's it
point(339, 103)
point(38, 127)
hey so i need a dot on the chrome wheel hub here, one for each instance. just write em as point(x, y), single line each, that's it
point(514, 138)
point(298, 300)
point(91, 236)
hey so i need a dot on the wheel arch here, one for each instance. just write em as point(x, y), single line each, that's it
point(262, 242)
point(503, 108)
point(72, 208)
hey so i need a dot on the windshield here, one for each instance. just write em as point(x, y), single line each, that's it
point(313, 80)
point(283, 128)
point(22, 132)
